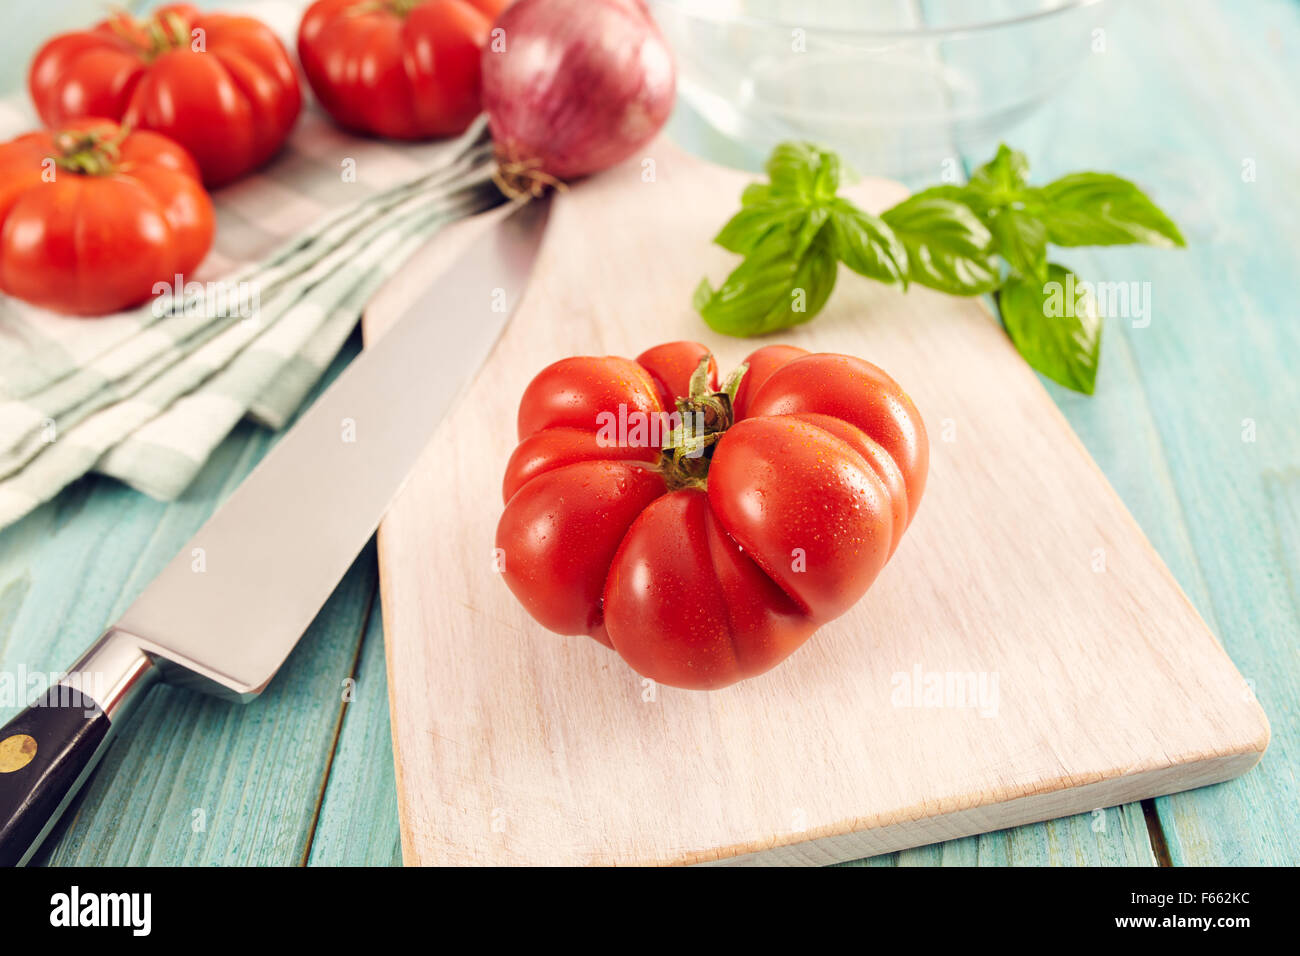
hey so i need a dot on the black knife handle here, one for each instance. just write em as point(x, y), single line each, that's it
point(46, 752)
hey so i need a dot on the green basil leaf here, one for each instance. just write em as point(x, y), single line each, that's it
point(773, 288)
point(1098, 209)
point(807, 229)
point(756, 193)
point(1055, 325)
point(791, 170)
point(948, 248)
point(1004, 175)
point(826, 182)
point(754, 220)
point(973, 199)
point(1021, 239)
point(866, 244)
point(702, 295)
point(813, 282)
point(802, 171)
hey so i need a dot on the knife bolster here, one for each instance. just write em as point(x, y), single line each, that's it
point(48, 750)
point(115, 672)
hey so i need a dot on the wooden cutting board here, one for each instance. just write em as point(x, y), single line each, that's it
point(1025, 655)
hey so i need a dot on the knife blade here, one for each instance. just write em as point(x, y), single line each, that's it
point(227, 610)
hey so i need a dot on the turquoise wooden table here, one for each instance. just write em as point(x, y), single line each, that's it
point(1196, 422)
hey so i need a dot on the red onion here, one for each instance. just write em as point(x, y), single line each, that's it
point(579, 86)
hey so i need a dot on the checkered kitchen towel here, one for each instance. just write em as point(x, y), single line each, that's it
point(146, 395)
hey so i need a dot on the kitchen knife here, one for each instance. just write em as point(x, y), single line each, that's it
point(226, 611)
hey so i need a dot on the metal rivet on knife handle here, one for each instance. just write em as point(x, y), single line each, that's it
point(16, 752)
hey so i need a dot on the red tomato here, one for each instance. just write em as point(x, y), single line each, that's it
point(91, 218)
point(702, 570)
point(221, 86)
point(406, 69)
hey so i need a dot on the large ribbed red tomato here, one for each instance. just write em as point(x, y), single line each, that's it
point(222, 86)
point(707, 560)
point(406, 69)
point(91, 218)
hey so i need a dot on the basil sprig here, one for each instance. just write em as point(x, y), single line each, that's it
point(990, 235)
point(793, 232)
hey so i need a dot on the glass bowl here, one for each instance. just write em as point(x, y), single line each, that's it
point(895, 86)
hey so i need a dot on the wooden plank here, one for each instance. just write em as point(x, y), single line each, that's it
point(247, 795)
point(1167, 425)
point(1236, 315)
point(1181, 134)
point(494, 691)
point(257, 771)
point(358, 820)
point(1114, 836)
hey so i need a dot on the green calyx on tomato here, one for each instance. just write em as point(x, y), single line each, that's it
point(164, 32)
point(399, 7)
point(705, 416)
point(89, 152)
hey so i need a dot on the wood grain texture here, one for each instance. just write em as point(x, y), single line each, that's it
point(1104, 836)
point(1244, 342)
point(1115, 836)
point(514, 745)
point(248, 796)
point(257, 772)
point(1205, 87)
point(1178, 122)
point(358, 818)
point(1183, 126)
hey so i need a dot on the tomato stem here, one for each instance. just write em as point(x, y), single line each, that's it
point(161, 33)
point(399, 8)
point(89, 152)
point(705, 416)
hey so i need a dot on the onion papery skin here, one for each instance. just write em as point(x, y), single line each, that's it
point(576, 86)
